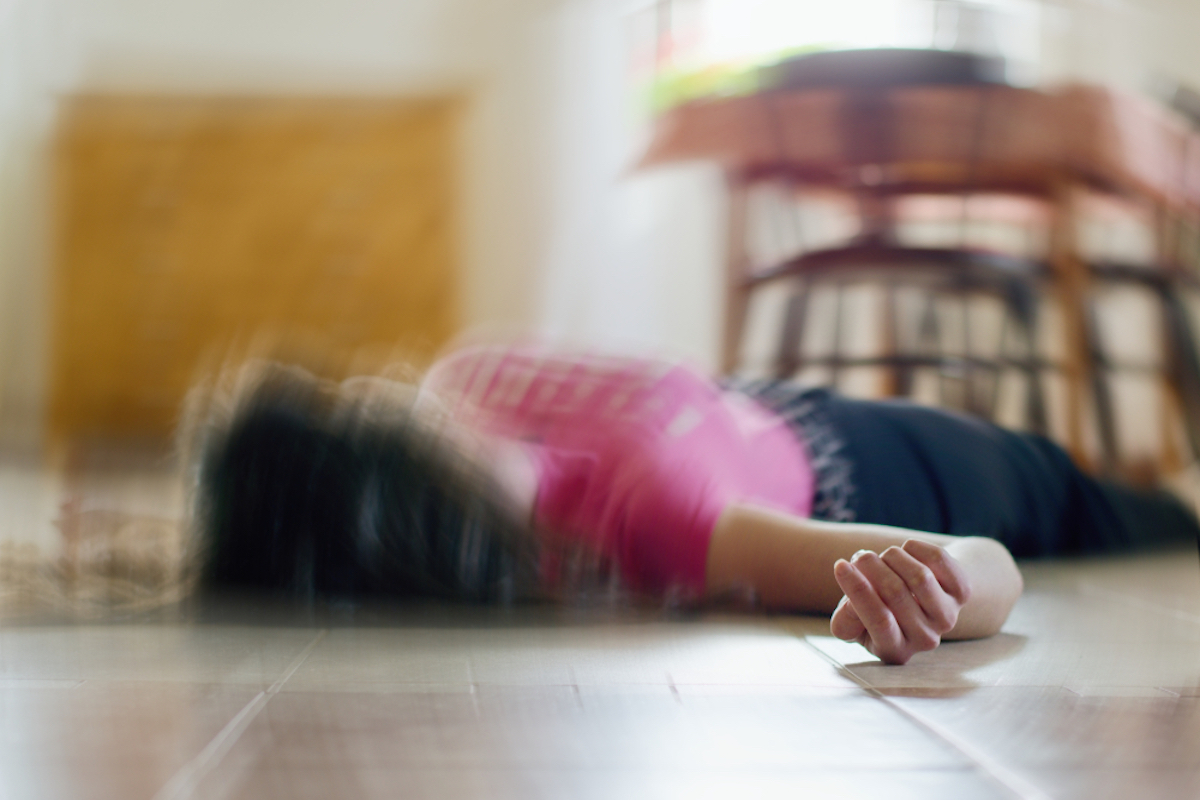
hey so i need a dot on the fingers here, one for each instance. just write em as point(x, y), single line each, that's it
point(901, 602)
point(883, 635)
point(915, 626)
point(949, 573)
point(940, 609)
point(845, 624)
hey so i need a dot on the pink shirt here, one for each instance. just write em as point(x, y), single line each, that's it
point(637, 457)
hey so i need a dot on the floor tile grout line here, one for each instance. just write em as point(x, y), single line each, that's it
point(184, 782)
point(998, 773)
point(295, 665)
point(1090, 588)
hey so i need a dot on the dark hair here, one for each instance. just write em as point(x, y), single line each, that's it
point(302, 492)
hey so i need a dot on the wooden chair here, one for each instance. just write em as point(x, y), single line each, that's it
point(877, 171)
point(881, 128)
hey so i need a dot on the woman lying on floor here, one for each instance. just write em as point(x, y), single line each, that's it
point(518, 472)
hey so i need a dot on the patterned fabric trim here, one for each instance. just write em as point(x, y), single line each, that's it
point(804, 411)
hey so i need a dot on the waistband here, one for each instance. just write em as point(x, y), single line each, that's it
point(804, 409)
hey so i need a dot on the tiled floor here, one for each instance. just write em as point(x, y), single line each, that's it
point(1093, 691)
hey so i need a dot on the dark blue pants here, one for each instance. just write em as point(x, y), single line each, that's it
point(943, 472)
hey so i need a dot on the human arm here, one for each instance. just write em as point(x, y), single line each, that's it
point(790, 563)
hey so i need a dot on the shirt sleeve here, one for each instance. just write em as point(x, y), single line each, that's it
point(653, 515)
point(662, 541)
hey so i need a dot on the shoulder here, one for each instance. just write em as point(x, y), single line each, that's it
point(479, 368)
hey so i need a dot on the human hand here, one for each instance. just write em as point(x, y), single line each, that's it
point(901, 602)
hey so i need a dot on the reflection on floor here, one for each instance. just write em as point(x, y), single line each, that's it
point(1093, 691)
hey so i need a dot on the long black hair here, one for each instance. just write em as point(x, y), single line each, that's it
point(303, 491)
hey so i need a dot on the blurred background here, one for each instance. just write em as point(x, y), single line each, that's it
point(178, 179)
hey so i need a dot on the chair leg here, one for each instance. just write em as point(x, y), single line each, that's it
point(790, 356)
point(1023, 307)
point(737, 293)
point(1071, 280)
point(835, 355)
point(929, 333)
point(1001, 362)
point(972, 394)
point(1184, 363)
point(1099, 370)
point(895, 381)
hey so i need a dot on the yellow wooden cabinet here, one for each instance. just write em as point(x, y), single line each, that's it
point(189, 226)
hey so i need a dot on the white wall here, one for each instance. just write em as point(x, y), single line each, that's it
point(1128, 43)
point(26, 115)
point(632, 260)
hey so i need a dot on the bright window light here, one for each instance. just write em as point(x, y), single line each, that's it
point(686, 49)
point(750, 31)
point(747, 30)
